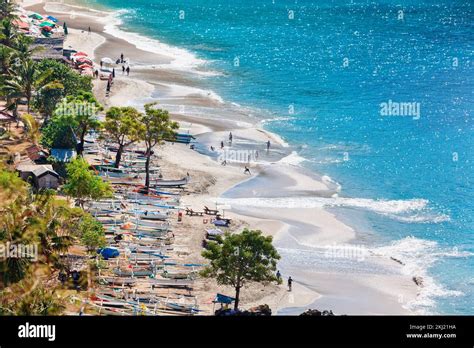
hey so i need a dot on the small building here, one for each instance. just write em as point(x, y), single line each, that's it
point(37, 155)
point(39, 176)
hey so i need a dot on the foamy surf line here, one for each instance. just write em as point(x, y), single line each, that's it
point(417, 256)
point(181, 59)
point(412, 210)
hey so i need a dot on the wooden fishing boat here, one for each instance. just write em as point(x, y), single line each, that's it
point(152, 216)
point(134, 272)
point(170, 183)
point(176, 283)
point(118, 281)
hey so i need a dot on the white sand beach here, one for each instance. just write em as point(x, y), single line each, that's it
point(361, 289)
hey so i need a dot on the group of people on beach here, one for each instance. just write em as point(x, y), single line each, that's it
point(290, 281)
point(125, 69)
point(246, 168)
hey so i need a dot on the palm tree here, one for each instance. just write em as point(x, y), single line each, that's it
point(54, 217)
point(29, 297)
point(23, 50)
point(6, 55)
point(25, 79)
point(16, 227)
point(32, 128)
point(6, 9)
point(8, 33)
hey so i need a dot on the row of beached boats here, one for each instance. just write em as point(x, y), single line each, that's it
point(139, 274)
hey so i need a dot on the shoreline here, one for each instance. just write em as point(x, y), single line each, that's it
point(328, 290)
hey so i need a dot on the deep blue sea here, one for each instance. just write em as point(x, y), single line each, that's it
point(322, 69)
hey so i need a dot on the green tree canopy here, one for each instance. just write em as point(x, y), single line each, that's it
point(84, 108)
point(29, 299)
point(24, 79)
point(7, 8)
point(59, 133)
point(91, 232)
point(157, 128)
point(74, 84)
point(8, 33)
point(62, 81)
point(123, 125)
point(83, 184)
point(240, 258)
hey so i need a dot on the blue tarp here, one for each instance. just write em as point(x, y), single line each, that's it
point(108, 253)
point(54, 19)
point(223, 299)
point(63, 155)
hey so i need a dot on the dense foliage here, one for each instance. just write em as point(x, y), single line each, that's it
point(240, 258)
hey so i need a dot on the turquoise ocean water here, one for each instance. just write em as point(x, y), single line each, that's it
point(321, 70)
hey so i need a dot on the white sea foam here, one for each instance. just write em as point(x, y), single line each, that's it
point(328, 161)
point(412, 210)
point(176, 91)
point(180, 59)
point(292, 159)
point(276, 119)
point(417, 256)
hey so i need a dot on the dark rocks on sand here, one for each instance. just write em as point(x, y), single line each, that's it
point(397, 260)
point(262, 310)
point(315, 312)
point(418, 281)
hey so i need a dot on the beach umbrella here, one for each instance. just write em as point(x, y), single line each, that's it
point(21, 25)
point(85, 66)
point(46, 24)
point(83, 59)
point(54, 19)
point(65, 28)
point(80, 54)
point(36, 16)
point(107, 60)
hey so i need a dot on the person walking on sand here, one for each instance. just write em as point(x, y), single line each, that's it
point(268, 145)
point(222, 144)
point(230, 137)
point(121, 57)
point(123, 69)
point(278, 275)
point(247, 171)
point(128, 70)
point(89, 30)
point(290, 282)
